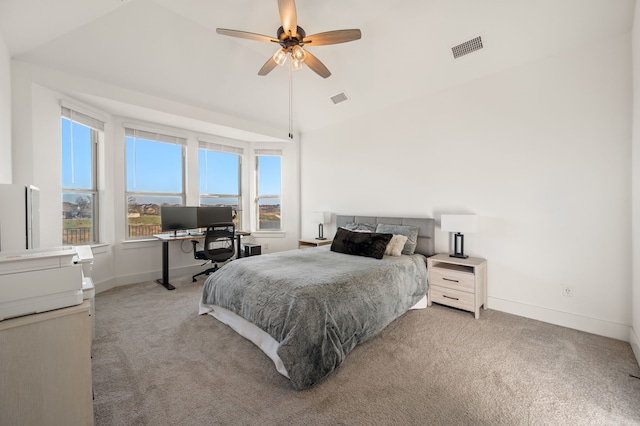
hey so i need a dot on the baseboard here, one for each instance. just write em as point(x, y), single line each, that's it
point(635, 343)
point(564, 319)
point(144, 277)
point(105, 285)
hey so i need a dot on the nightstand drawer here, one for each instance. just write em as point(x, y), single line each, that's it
point(452, 277)
point(455, 298)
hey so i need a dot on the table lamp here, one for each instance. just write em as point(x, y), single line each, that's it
point(459, 223)
point(321, 218)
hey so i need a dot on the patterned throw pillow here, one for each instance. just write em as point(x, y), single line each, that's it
point(363, 227)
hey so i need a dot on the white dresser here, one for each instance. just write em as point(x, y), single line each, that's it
point(45, 368)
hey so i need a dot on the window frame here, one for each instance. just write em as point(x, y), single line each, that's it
point(96, 127)
point(225, 149)
point(267, 153)
point(157, 136)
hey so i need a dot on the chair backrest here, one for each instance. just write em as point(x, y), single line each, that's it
point(219, 241)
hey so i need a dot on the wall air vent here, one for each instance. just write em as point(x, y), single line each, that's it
point(340, 97)
point(467, 47)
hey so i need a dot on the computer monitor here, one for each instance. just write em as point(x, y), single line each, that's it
point(208, 215)
point(178, 218)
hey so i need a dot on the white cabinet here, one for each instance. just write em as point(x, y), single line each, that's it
point(45, 368)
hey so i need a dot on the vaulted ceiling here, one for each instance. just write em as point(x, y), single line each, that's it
point(170, 49)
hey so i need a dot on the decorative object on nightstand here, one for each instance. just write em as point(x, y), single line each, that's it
point(459, 223)
point(313, 242)
point(321, 218)
point(456, 282)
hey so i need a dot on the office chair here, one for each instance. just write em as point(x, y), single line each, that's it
point(218, 246)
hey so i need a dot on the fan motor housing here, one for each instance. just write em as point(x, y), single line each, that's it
point(287, 41)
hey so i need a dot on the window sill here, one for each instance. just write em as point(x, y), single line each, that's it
point(98, 248)
point(95, 247)
point(141, 243)
point(268, 234)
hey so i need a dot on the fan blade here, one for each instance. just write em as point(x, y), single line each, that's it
point(317, 66)
point(288, 17)
point(244, 34)
point(267, 67)
point(332, 37)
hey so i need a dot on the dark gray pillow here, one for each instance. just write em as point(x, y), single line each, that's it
point(366, 244)
point(360, 227)
point(411, 232)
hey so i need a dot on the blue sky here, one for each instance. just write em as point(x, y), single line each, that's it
point(76, 173)
point(157, 167)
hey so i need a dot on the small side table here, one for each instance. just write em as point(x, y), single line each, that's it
point(312, 242)
point(460, 283)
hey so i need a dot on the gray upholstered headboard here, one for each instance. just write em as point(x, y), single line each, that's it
point(426, 227)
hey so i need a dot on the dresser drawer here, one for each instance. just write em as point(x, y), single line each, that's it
point(455, 298)
point(452, 277)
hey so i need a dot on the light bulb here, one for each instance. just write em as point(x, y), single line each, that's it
point(280, 56)
point(296, 64)
point(298, 53)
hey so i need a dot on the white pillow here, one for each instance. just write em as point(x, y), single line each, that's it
point(395, 245)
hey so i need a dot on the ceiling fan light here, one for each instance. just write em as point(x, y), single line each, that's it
point(298, 53)
point(296, 64)
point(280, 56)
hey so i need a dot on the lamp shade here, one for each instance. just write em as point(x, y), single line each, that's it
point(462, 223)
point(280, 56)
point(322, 217)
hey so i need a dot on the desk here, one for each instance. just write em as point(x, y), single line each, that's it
point(167, 238)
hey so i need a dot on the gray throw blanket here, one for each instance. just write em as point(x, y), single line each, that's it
point(316, 303)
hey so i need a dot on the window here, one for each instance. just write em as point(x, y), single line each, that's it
point(268, 196)
point(80, 136)
point(220, 169)
point(155, 178)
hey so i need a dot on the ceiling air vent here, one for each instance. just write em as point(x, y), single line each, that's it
point(340, 97)
point(467, 47)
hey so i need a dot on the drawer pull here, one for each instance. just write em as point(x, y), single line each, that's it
point(449, 279)
point(449, 297)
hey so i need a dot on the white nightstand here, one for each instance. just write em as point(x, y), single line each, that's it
point(312, 242)
point(460, 283)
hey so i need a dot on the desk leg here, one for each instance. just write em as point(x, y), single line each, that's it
point(165, 267)
point(238, 250)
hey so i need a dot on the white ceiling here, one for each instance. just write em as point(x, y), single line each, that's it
point(169, 48)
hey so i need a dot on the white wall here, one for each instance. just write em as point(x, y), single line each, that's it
point(634, 337)
point(5, 113)
point(540, 153)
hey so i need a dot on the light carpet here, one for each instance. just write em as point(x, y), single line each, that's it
point(157, 362)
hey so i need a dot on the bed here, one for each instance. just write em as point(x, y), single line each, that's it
point(307, 309)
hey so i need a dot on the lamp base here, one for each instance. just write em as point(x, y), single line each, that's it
point(459, 256)
point(458, 249)
point(320, 238)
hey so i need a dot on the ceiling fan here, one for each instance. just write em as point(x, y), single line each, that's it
point(292, 38)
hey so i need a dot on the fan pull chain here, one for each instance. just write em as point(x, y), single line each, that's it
point(290, 101)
